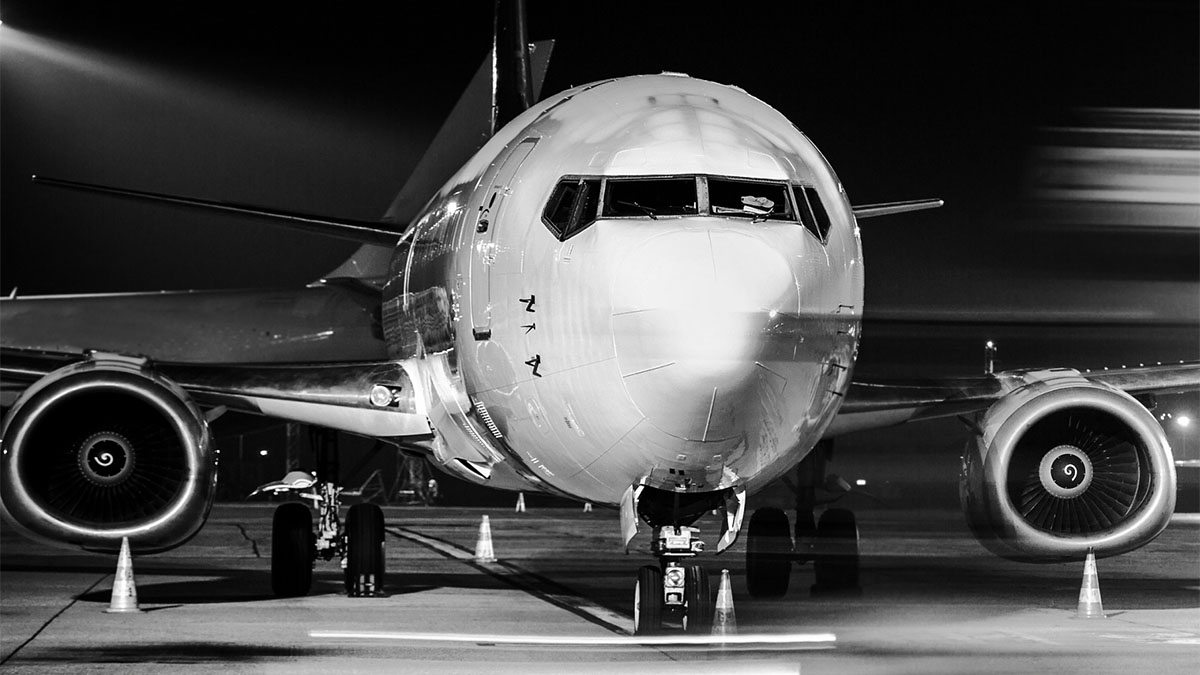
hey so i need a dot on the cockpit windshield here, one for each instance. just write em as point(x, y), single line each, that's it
point(579, 201)
point(765, 201)
point(651, 197)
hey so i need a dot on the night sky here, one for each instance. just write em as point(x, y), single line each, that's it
point(326, 110)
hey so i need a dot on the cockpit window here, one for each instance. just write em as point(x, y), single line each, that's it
point(762, 201)
point(812, 211)
point(572, 206)
point(578, 201)
point(652, 197)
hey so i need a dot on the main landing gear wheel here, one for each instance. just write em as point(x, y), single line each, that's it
point(648, 601)
point(768, 553)
point(697, 617)
point(835, 562)
point(291, 550)
point(364, 554)
point(804, 532)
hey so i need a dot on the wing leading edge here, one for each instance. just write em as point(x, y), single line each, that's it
point(873, 405)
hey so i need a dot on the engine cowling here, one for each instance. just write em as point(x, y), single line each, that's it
point(1062, 465)
point(105, 449)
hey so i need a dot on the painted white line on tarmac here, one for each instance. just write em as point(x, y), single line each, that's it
point(774, 640)
point(513, 574)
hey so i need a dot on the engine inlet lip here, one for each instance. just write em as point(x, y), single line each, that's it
point(1022, 408)
point(174, 524)
point(1066, 472)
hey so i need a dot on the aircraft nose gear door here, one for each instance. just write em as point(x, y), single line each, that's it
point(484, 245)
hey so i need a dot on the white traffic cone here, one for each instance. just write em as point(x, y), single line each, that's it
point(520, 503)
point(124, 593)
point(587, 507)
point(483, 547)
point(724, 620)
point(1090, 606)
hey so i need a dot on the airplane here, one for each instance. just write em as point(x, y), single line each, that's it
point(644, 292)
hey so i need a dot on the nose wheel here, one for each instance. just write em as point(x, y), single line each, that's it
point(648, 601)
point(697, 616)
point(674, 592)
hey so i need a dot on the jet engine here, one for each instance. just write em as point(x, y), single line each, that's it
point(1062, 465)
point(104, 449)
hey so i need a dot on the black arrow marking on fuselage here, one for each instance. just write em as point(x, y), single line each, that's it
point(529, 327)
point(529, 302)
point(534, 363)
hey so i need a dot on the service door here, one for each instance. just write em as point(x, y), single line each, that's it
point(483, 253)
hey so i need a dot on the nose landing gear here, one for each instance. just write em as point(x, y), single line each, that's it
point(673, 590)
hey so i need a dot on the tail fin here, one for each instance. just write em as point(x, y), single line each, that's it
point(507, 83)
point(510, 52)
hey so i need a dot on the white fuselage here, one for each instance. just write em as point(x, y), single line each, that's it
point(695, 351)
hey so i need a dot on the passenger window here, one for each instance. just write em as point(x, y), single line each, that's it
point(764, 201)
point(650, 197)
point(812, 212)
point(572, 206)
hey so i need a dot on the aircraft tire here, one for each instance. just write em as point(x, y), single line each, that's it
point(768, 553)
point(291, 550)
point(648, 601)
point(835, 562)
point(699, 614)
point(803, 534)
point(364, 551)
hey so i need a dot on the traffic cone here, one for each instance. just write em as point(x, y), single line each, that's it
point(724, 620)
point(124, 593)
point(520, 502)
point(587, 507)
point(1089, 593)
point(483, 547)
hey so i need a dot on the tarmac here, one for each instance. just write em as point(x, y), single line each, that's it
point(559, 598)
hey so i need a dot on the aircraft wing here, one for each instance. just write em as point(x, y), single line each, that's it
point(876, 404)
point(314, 355)
point(367, 398)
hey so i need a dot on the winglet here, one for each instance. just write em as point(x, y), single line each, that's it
point(889, 208)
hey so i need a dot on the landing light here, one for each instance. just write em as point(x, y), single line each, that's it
point(860, 482)
point(262, 453)
point(1183, 421)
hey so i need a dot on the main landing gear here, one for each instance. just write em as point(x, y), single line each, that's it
point(294, 545)
point(830, 544)
point(673, 590)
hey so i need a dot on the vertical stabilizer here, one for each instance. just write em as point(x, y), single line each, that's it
point(514, 78)
point(507, 83)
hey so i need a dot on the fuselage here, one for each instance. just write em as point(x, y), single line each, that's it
point(652, 280)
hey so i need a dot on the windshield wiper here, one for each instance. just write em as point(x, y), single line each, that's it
point(644, 209)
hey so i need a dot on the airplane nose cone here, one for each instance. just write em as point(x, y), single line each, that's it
point(690, 308)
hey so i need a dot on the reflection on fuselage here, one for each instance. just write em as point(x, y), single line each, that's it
point(586, 342)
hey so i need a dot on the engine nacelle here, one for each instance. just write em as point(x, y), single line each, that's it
point(1064, 464)
point(105, 449)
